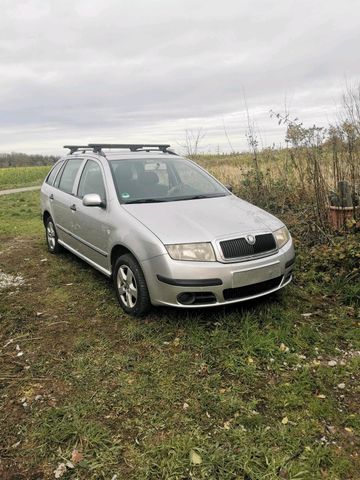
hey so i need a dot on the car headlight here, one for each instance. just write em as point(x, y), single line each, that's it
point(197, 252)
point(282, 236)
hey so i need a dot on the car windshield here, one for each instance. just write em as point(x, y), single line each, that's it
point(158, 180)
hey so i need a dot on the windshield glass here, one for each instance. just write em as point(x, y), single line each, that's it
point(157, 180)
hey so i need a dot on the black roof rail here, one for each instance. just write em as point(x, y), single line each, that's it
point(74, 148)
point(83, 148)
point(146, 149)
point(133, 147)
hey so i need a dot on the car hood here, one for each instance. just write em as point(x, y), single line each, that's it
point(202, 220)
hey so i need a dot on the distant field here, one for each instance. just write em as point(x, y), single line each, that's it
point(13, 177)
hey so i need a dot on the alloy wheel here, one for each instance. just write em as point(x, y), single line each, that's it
point(50, 234)
point(127, 287)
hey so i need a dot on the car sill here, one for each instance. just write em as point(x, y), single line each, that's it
point(87, 260)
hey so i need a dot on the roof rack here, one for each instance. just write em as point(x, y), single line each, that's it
point(133, 147)
point(74, 148)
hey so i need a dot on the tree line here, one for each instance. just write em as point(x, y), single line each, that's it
point(15, 159)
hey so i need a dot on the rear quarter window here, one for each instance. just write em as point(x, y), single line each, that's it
point(52, 175)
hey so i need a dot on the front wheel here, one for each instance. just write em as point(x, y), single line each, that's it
point(51, 236)
point(130, 286)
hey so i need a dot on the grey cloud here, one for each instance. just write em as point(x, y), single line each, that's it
point(154, 68)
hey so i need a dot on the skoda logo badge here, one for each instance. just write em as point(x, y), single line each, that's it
point(250, 239)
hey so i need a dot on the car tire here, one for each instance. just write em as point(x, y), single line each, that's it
point(130, 286)
point(51, 236)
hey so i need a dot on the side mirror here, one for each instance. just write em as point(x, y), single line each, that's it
point(93, 200)
point(229, 187)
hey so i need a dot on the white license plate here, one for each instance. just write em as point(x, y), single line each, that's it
point(256, 275)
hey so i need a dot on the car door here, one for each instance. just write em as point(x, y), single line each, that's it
point(91, 224)
point(62, 201)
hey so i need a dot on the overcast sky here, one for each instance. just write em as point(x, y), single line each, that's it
point(147, 70)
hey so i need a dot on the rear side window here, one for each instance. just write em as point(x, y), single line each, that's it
point(91, 180)
point(68, 175)
point(52, 175)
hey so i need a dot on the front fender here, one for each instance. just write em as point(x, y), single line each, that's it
point(135, 237)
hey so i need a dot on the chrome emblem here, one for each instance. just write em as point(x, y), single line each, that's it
point(250, 239)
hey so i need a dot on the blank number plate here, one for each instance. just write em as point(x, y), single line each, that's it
point(256, 275)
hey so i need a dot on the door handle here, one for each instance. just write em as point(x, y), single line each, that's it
point(51, 197)
point(73, 207)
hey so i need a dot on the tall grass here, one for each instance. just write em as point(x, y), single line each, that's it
point(297, 182)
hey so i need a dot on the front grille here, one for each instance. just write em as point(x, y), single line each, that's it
point(239, 247)
point(204, 297)
point(251, 290)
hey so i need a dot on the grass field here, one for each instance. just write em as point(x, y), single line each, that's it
point(263, 390)
point(14, 177)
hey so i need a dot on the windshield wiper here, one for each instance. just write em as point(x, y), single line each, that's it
point(174, 199)
point(198, 197)
point(147, 200)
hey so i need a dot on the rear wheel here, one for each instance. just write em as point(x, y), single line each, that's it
point(130, 286)
point(51, 236)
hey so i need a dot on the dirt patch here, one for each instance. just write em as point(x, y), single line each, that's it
point(10, 281)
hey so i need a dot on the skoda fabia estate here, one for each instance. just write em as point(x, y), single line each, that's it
point(165, 230)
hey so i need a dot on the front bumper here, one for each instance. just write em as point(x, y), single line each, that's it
point(216, 283)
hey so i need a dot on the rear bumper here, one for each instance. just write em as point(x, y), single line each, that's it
point(215, 283)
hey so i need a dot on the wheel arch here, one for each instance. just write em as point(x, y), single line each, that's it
point(118, 250)
point(46, 215)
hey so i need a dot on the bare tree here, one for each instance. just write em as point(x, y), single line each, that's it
point(228, 139)
point(253, 143)
point(351, 107)
point(192, 140)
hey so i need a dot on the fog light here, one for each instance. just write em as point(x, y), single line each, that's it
point(186, 298)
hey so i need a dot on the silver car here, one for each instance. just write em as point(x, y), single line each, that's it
point(165, 230)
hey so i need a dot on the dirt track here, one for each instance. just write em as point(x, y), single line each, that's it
point(19, 190)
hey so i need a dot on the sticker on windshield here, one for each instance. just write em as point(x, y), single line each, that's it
point(125, 195)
